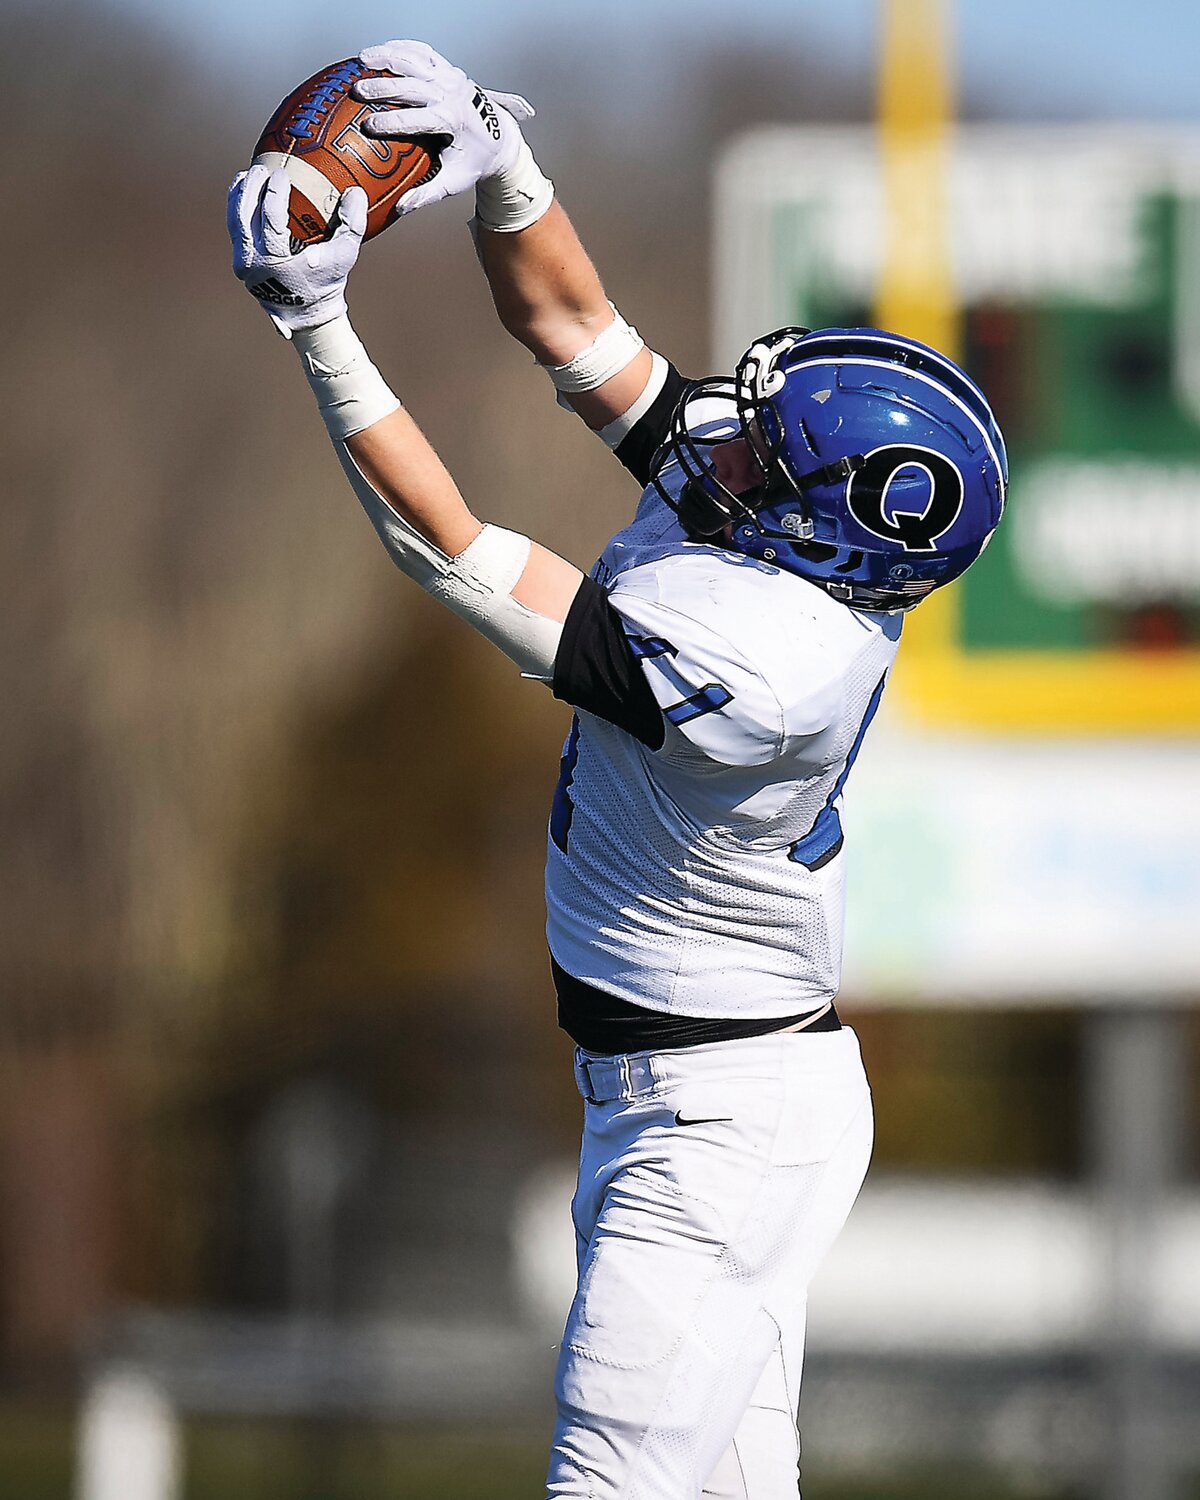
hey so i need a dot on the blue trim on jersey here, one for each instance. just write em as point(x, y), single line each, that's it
point(562, 809)
point(710, 698)
point(645, 646)
point(824, 839)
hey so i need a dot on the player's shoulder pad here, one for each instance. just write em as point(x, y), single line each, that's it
point(733, 651)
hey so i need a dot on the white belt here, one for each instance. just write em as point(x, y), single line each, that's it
point(602, 1079)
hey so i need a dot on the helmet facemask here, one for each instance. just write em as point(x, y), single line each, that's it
point(705, 505)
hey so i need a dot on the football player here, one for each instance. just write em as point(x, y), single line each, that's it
point(725, 658)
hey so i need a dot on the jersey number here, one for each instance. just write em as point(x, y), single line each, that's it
point(824, 839)
point(562, 809)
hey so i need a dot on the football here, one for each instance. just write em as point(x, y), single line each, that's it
point(317, 136)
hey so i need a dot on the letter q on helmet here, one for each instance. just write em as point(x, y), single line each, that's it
point(881, 469)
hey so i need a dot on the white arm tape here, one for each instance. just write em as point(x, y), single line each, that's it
point(607, 355)
point(619, 428)
point(351, 393)
point(477, 584)
point(514, 199)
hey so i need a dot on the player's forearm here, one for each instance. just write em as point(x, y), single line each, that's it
point(546, 290)
point(385, 446)
point(549, 297)
point(395, 458)
point(392, 461)
point(515, 593)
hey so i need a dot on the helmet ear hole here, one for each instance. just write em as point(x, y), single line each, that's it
point(850, 563)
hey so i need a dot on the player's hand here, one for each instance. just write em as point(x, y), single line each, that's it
point(302, 290)
point(482, 129)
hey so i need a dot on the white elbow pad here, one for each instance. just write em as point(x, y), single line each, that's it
point(477, 584)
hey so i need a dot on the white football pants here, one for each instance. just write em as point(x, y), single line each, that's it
point(712, 1181)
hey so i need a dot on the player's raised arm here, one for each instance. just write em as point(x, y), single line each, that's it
point(513, 591)
point(549, 297)
point(545, 288)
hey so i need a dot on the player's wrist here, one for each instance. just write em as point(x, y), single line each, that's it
point(351, 394)
point(515, 196)
point(291, 321)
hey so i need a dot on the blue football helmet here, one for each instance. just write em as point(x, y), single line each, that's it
point(881, 469)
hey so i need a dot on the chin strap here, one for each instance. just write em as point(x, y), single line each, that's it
point(840, 468)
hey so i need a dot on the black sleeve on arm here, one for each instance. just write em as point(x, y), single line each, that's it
point(639, 445)
point(595, 668)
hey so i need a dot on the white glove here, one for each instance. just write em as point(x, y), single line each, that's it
point(305, 290)
point(482, 130)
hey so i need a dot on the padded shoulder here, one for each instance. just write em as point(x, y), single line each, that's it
point(699, 626)
point(748, 661)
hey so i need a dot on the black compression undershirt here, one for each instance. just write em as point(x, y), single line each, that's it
point(595, 668)
point(637, 448)
point(599, 1022)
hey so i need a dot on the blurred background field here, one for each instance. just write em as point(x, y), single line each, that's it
point(239, 1458)
point(285, 1121)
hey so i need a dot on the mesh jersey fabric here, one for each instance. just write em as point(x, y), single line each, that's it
point(678, 879)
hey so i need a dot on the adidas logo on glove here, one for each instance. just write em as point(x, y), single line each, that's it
point(274, 292)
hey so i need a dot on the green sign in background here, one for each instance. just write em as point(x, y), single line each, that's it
point(1069, 379)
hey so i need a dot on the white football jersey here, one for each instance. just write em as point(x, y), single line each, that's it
point(705, 878)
